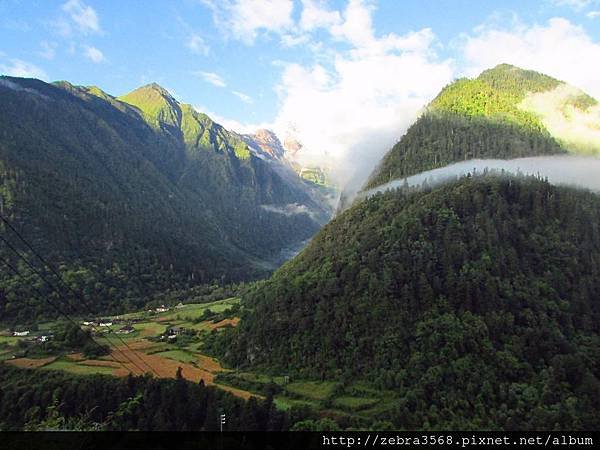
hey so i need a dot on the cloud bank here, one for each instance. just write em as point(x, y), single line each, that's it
point(348, 113)
point(559, 170)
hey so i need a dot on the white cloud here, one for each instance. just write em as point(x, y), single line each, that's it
point(212, 78)
point(316, 15)
point(290, 209)
point(559, 48)
point(593, 14)
point(20, 68)
point(245, 18)
point(578, 129)
point(577, 5)
point(48, 50)
point(93, 54)
point(357, 26)
point(350, 113)
point(84, 16)
point(292, 40)
point(61, 27)
point(243, 97)
point(197, 45)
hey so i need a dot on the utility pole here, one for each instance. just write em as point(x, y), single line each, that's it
point(222, 420)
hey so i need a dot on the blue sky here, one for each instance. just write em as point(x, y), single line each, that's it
point(314, 67)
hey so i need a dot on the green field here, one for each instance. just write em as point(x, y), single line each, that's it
point(286, 403)
point(152, 326)
point(9, 339)
point(260, 378)
point(149, 328)
point(194, 311)
point(77, 368)
point(179, 355)
point(314, 390)
point(359, 400)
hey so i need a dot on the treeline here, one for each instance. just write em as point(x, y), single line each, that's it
point(474, 302)
point(51, 400)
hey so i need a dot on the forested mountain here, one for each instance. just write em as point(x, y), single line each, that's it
point(483, 117)
point(472, 303)
point(134, 195)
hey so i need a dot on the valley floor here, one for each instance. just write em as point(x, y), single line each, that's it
point(149, 347)
point(142, 348)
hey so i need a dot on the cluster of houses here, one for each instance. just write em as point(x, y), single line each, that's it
point(105, 324)
point(36, 338)
point(173, 332)
point(163, 308)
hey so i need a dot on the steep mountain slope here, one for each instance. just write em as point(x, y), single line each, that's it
point(136, 195)
point(479, 118)
point(251, 191)
point(472, 303)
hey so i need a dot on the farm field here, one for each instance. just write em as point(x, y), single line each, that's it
point(332, 399)
point(143, 350)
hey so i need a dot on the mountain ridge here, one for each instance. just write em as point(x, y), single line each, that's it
point(102, 192)
point(479, 111)
point(471, 303)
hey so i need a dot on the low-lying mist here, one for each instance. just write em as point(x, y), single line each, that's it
point(583, 172)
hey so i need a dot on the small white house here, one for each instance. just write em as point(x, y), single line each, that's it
point(180, 305)
point(162, 308)
point(105, 324)
point(88, 323)
point(21, 333)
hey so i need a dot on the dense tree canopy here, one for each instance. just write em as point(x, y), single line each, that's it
point(49, 400)
point(476, 302)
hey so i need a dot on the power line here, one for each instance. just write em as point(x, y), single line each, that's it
point(67, 304)
point(81, 297)
point(66, 301)
point(41, 295)
point(72, 308)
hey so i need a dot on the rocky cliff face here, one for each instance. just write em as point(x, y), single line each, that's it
point(265, 143)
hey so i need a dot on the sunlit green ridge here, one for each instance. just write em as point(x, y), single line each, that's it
point(198, 130)
point(496, 95)
point(158, 106)
point(475, 118)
